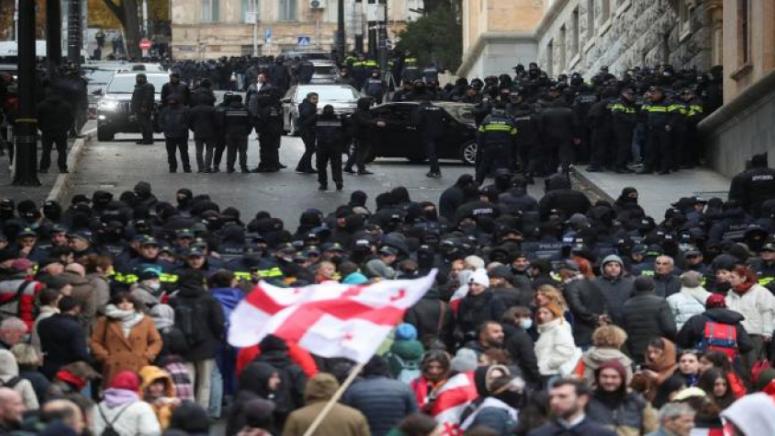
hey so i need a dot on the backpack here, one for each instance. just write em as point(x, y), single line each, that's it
point(720, 337)
point(11, 383)
point(19, 291)
point(109, 429)
point(409, 370)
point(191, 320)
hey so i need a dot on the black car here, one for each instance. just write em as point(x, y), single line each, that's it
point(113, 109)
point(400, 138)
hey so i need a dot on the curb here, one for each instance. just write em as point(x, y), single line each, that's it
point(62, 185)
point(580, 180)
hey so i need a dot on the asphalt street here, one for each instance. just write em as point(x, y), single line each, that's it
point(118, 165)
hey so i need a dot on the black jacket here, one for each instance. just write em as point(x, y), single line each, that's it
point(179, 91)
point(753, 187)
point(55, 116)
point(693, 332)
point(234, 120)
point(203, 121)
point(307, 116)
point(63, 341)
point(560, 196)
point(430, 316)
point(585, 427)
point(210, 313)
point(521, 349)
point(430, 120)
point(586, 302)
point(173, 121)
point(646, 316)
point(666, 285)
point(383, 401)
point(330, 131)
point(143, 98)
point(475, 309)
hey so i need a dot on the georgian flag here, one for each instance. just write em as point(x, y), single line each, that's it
point(328, 319)
point(452, 398)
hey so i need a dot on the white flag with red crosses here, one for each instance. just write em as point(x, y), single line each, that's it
point(328, 319)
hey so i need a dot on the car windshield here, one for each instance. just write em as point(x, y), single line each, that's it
point(463, 113)
point(99, 76)
point(125, 84)
point(330, 93)
point(328, 70)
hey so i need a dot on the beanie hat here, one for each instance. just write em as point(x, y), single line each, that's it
point(555, 308)
point(613, 364)
point(465, 360)
point(644, 284)
point(21, 264)
point(480, 277)
point(691, 279)
point(715, 301)
point(405, 332)
point(356, 278)
point(127, 380)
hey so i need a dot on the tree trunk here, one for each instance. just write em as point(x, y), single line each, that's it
point(132, 29)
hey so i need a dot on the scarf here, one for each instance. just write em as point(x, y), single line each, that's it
point(66, 376)
point(743, 288)
point(118, 397)
point(128, 318)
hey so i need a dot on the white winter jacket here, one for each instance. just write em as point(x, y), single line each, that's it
point(757, 306)
point(554, 346)
point(137, 420)
point(687, 303)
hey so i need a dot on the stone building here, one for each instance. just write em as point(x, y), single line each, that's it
point(583, 35)
point(205, 29)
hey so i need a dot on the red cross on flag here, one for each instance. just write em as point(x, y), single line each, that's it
point(328, 319)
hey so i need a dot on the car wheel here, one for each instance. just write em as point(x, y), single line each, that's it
point(104, 134)
point(468, 152)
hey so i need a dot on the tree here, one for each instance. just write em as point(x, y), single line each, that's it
point(435, 38)
point(126, 13)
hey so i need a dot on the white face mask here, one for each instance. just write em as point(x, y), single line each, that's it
point(154, 285)
point(526, 323)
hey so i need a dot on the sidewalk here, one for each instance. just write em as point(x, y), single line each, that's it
point(52, 184)
point(656, 192)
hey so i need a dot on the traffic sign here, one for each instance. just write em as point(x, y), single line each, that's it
point(303, 41)
point(145, 44)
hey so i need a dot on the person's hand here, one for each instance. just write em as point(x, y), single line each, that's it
point(25, 251)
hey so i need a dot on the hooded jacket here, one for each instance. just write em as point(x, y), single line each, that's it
point(9, 372)
point(162, 408)
point(687, 303)
point(616, 291)
point(560, 196)
point(693, 331)
point(209, 311)
point(594, 357)
point(341, 421)
point(383, 401)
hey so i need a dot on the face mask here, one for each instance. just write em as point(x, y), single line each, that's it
point(154, 286)
point(526, 323)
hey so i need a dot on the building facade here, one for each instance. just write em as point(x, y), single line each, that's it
point(206, 29)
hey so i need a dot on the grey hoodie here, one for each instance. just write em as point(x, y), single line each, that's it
point(615, 290)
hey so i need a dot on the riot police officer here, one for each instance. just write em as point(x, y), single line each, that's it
point(496, 137)
point(237, 125)
point(330, 142)
point(430, 120)
point(660, 118)
point(528, 141)
point(308, 110)
point(142, 107)
point(624, 116)
point(375, 87)
point(264, 106)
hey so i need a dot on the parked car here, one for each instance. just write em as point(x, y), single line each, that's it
point(113, 109)
point(344, 99)
point(97, 80)
point(324, 72)
point(400, 138)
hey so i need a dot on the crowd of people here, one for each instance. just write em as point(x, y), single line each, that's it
point(548, 316)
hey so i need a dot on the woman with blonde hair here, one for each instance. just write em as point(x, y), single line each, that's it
point(555, 349)
point(29, 360)
point(546, 294)
point(607, 342)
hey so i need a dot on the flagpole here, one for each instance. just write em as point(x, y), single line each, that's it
point(337, 395)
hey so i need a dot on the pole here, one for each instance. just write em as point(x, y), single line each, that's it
point(337, 395)
point(15, 30)
point(53, 35)
point(358, 24)
point(255, 28)
point(26, 123)
point(340, 36)
point(383, 37)
point(371, 27)
point(74, 34)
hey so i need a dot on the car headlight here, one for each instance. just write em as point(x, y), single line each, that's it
point(107, 105)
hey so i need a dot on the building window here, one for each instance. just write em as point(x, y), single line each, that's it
point(743, 32)
point(574, 42)
point(563, 52)
point(605, 10)
point(210, 9)
point(250, 10)
point(684, 18)
point(550, 59)
point(590, 19)
point(287, 11)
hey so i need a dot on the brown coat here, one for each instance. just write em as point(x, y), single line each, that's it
point(117, 353)
point(341, 421)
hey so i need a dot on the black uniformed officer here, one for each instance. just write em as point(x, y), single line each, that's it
point(330, 142)
point(173, 120)
point(556, 123)
point(374, 87)
point(308, 110)
point(363, 123)
point(430, 120)
point(264, 104)
point(142, 107)
point(528, 141)
point(236, 128)
point(754, 186)
point(624, 117)
point(496, 136)
point(660, 117)
point(55, 118)
point(203, 122)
